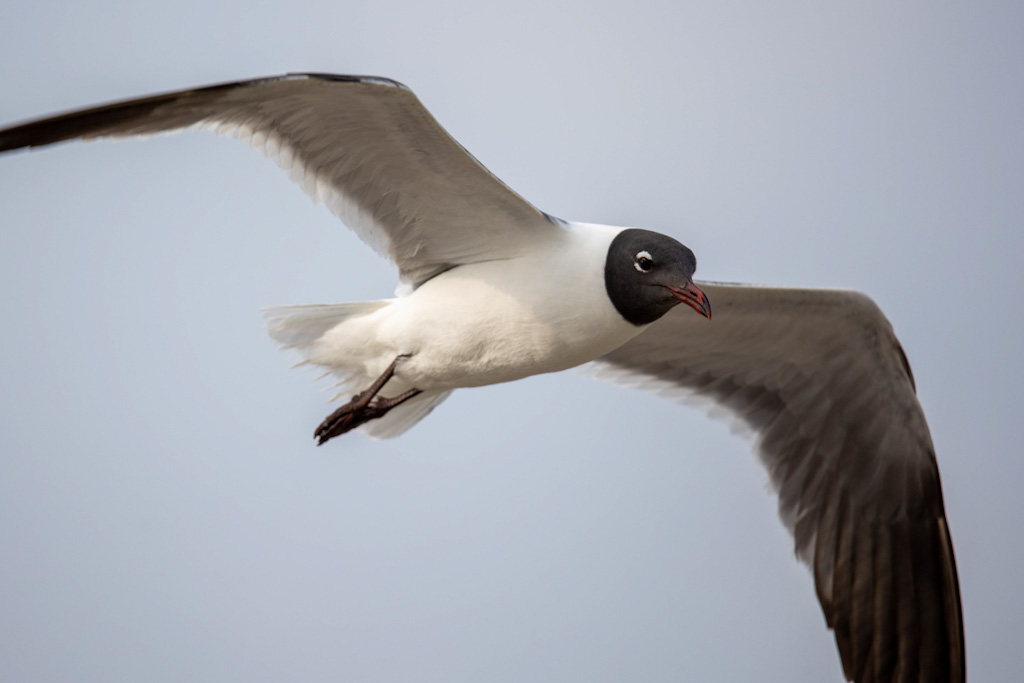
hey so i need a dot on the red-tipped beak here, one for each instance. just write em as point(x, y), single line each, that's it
point(692, 296)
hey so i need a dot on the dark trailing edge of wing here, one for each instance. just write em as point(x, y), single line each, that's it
point(906, 365)
point(80, 123)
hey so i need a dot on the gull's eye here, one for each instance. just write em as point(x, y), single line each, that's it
point(643, 261)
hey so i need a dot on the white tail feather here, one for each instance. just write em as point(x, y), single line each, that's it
point(298, 327)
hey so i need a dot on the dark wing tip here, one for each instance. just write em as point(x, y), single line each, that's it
point(106, 118)
point(890, 593)
point(74, 124)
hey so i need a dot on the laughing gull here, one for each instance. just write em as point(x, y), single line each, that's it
point(495, 290)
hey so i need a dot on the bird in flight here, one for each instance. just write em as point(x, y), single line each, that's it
point(494, 290)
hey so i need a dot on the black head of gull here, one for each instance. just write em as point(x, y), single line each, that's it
point(818, 375)
point(648, 273)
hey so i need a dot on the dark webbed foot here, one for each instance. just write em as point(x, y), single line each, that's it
point(364, 406)
point(353, 414)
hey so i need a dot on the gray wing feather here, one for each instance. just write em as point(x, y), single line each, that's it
point(365, 146)
point(821, 380)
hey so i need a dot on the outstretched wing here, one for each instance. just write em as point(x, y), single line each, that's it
point(822, 381)
point(365, 146)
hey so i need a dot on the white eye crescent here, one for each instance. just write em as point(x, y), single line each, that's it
point(643, 261)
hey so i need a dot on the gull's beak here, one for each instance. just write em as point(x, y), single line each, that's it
point(692, 296)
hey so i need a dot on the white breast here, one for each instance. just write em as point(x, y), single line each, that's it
point(495, 321)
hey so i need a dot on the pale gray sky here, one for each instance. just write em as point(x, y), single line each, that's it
point(164, 514)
